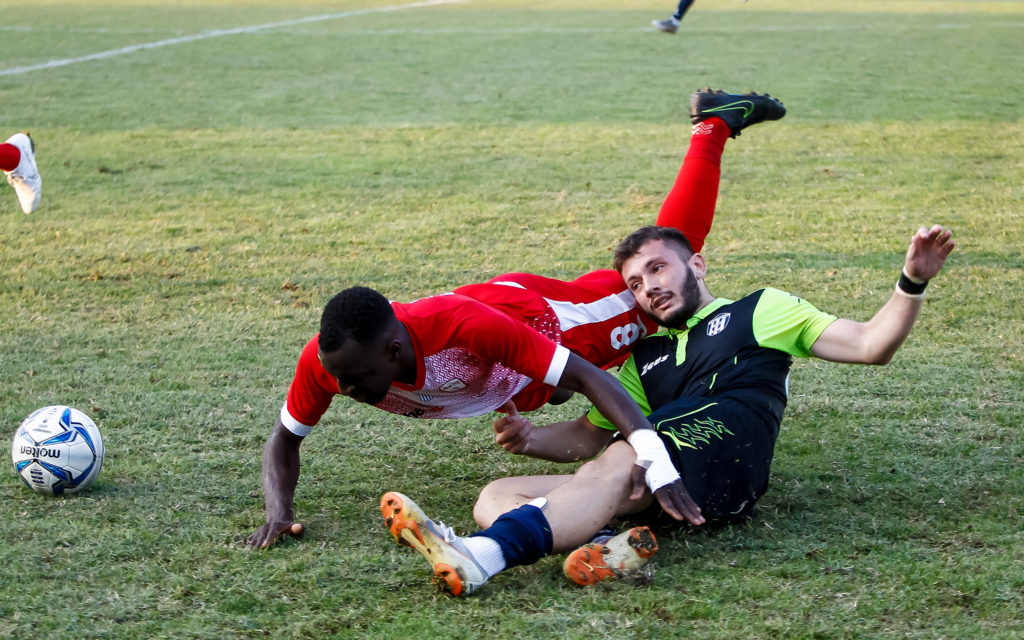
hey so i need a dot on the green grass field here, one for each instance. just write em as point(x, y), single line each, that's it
point(207, 187)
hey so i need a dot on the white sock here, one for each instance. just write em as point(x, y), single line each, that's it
point(487, 553)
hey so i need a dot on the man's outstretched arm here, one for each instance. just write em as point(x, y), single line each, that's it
point(878, 339)
point(280, 477)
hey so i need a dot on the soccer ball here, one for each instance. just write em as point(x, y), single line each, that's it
point(57, 450)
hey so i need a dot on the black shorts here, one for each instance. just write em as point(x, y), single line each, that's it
point(723, 450)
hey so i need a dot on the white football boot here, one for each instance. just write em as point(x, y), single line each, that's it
point(666, 26)
point(455, 569)
point(25, 177)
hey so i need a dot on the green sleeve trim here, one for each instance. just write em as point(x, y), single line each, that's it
point(630, 379)
point(787, 323)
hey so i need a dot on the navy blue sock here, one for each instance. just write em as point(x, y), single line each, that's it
point(523, 535)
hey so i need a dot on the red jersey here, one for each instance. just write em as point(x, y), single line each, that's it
point(483, 344)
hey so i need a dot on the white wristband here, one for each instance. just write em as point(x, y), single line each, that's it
point(915, 296)
point(652, 455)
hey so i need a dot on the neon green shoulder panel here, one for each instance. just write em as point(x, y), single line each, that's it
point(787, 323)
point(630, 379)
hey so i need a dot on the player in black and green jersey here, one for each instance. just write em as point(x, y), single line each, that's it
point(715, 390)
point(713, 383)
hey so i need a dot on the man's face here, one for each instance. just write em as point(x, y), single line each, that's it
point(664, 284)
point(364, 372)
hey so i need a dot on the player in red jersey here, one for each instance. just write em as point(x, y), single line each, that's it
point(517, 337)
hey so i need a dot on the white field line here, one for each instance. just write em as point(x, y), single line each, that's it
point(215, 33)
point(278, 27)
point(282, 27)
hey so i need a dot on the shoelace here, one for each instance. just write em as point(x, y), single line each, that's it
point(21, 176)
point(447, 533)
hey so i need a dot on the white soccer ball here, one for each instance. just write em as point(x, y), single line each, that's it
point(57, 450)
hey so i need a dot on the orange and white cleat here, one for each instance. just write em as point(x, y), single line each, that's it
point(455, 569)
point(614, 558)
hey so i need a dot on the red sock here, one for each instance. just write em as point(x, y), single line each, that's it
point(10, 157)
point(690, 205)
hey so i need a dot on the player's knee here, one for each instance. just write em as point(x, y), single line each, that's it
point(500, 496)
point(486, 510)
point(613, 466)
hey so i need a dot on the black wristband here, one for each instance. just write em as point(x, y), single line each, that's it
point(907, 285)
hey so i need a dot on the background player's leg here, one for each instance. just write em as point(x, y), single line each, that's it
point(684, 6)
point(672, 24)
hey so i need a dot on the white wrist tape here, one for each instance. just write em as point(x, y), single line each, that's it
point(651, 455)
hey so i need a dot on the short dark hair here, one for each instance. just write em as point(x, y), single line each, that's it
point(632, 243)
point(357, 313)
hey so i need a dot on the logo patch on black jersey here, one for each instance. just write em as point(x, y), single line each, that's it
point(453, 385)
point(718, 324)
point(651, 365)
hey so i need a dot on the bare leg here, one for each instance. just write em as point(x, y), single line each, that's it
point(578, 505)
point(506, 494)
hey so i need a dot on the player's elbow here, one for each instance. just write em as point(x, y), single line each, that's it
point(856, 356)
point(876, 351)
point(880, 356)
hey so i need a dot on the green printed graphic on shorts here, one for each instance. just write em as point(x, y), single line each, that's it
point(691, 435)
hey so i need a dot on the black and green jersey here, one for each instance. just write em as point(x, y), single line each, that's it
point(738, 350)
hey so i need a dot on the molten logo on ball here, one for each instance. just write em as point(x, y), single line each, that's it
point(57, 450)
